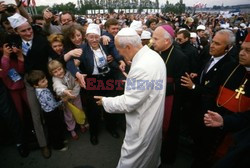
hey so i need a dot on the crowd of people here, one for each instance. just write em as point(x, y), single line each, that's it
point(163, 71)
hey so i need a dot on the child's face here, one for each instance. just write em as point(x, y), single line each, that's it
point(58, 72)
point(43, 83)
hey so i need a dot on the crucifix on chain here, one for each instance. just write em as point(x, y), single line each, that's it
point(240, 90)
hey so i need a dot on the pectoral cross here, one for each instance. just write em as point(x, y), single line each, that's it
point(240, 90)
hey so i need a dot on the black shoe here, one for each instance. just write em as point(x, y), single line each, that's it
point(46, 152)
point(23, 150)
point(94, 140)
point(114, 134)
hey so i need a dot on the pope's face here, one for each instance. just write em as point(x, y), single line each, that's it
point(244, 56)
point(25, 31)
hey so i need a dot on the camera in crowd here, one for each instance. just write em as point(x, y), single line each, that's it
point(104, 69)
point(13, 44)
point(10, 9)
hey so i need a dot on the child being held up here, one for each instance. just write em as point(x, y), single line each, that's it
point(52, 113)
point(65, 85)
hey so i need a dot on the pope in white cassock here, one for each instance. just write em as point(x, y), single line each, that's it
point(142, 102)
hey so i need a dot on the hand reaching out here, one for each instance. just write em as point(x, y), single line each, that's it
point(213, 119)
point(98, 100)
point(69, 94)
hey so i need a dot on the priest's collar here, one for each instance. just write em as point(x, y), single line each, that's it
point(166, 51)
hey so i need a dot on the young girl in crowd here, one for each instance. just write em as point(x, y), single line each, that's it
point(64, 85)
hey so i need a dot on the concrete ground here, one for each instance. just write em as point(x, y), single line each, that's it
point(81, 154)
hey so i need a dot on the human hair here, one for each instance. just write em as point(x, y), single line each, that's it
point(55, 38)
point(35, 76)
point(186, 34)
point(54, 64)
point(36, 17)
point(123, 41)
point(67, 12)
point(68, 32)
point(111, 22)
point(152, 21)
point(230, 34)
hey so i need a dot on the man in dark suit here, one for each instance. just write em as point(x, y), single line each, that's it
point(204, 93)
point(94, 68)
point(36, 51)
point(232, 104)
point(183, 39)
point(112, 28)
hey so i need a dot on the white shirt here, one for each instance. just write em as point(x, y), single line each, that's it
point(216, 59)
point(144, 108)
point(248, 69)
point(98, 53)
point(29, 42)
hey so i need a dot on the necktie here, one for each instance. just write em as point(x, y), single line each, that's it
point(206, 68)
point(25, 48)
point(208, 65)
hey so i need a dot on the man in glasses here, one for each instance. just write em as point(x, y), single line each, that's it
point(93, 73)
point(65, 18)
point(183, 39)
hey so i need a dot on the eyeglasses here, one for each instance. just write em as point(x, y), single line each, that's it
point(178, 40)
point(90, 37)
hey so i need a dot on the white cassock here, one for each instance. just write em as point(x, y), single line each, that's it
point(143, 108)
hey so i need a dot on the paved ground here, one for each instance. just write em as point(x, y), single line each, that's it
point(81, 154)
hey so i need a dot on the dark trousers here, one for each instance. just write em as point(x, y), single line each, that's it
point(55, 126)
point(9, 115)
point(95, 112)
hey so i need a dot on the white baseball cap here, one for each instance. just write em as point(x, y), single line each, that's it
point(145, 35)
point(93, 28)
point(16, 20)
point(201, 27)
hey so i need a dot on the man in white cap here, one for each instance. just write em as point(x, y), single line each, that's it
point(36, 51)
point(193, 41)
point(241, 35)
point(142, 104)
point(201, 40)
point(94, 68)
point(145, 37)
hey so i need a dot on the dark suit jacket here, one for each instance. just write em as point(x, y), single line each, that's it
point(87, 61)
point(192, 55)
point(111, 47)
point(238, 155)
point(38, 56)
